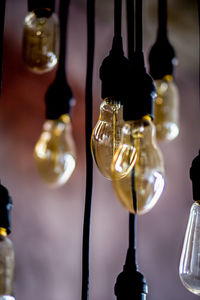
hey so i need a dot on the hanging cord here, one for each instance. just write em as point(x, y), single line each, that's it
point(117, 18)
point(88, 132)
point(138, 20)
point(162, 18)
point(63, 18)
point(2, 18)
point(131, 49)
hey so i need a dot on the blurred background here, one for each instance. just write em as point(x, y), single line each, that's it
point(47, 223)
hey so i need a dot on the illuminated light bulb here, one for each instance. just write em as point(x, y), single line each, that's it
point(40, 41)
point(7, 264)
point(166, 109)
point(106, 135)
point(189, 268)
point(141, 178)
point(55, 151)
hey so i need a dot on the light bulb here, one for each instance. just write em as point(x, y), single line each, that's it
point(137, 167)
point(7, 264)
point(55, 151)
point(40, 41)
point(166, 109)
point(106, 135)
point(189, 268)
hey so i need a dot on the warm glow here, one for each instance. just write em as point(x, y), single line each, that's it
point(141, 176)
point(40, 42)
point(55, 151)
point(166, 109)
point(106, 135)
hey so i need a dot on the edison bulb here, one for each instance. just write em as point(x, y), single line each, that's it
point(166, 109)
point(40, 42)
point(7, 264)
point(189, 268)
point(55, 151)
point(106, 135)
point(137, 168)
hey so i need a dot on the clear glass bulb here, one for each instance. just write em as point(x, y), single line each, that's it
point(137, 167)
point(166, 109)
point(189, 268)
point(7, 265)
point(40, 42)
point(106, 135)
point(55, 151)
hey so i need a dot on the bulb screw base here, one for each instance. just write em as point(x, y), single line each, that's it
point(130, 283)
point(5, 208)
point(195, 177)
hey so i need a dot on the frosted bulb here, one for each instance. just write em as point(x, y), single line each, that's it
point(106, 135)
point(142, 176)
point(189, 268)
point(7, 265)
point(55, 151)
point(166, 109)
point(40, 42)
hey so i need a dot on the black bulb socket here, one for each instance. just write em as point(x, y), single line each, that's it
point(42, 8)
point(142, 91)
point(195, 177)
point(162, 58)
point(5, 208)
point(58, 99)
point(130, 283)
point(114, 73)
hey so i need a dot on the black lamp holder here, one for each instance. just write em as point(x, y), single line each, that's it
point(5, 208)
point(59, 98)
point(162, 57)
point(195, 177)
point(42, 8)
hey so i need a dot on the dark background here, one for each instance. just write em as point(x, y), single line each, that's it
point(47, 223)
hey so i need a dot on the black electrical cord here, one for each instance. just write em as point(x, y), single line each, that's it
point(162, 18)
point(138, 21)
point(88, 132)
point(2, 18)
point(117, 18)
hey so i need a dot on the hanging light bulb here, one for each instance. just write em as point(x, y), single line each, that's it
point(166, 109)
point(106, 134)
point(40, 40)
point(162, 59)
point(54, 152)
point(137, 168)
point(7, 257)
point(189, 268)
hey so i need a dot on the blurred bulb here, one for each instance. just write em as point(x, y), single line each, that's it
point(107, 134)
point(40, 42)
point(166, 109)
point(137, 167)
point(189, 269)
point(55, 151)
point(7, 265)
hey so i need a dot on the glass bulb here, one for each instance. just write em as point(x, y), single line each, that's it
point(137, 167)
point(107, 134)
point(189, 268)
point(40, 42)
point(55, 151)
point(7, 265)
point(166, 109)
